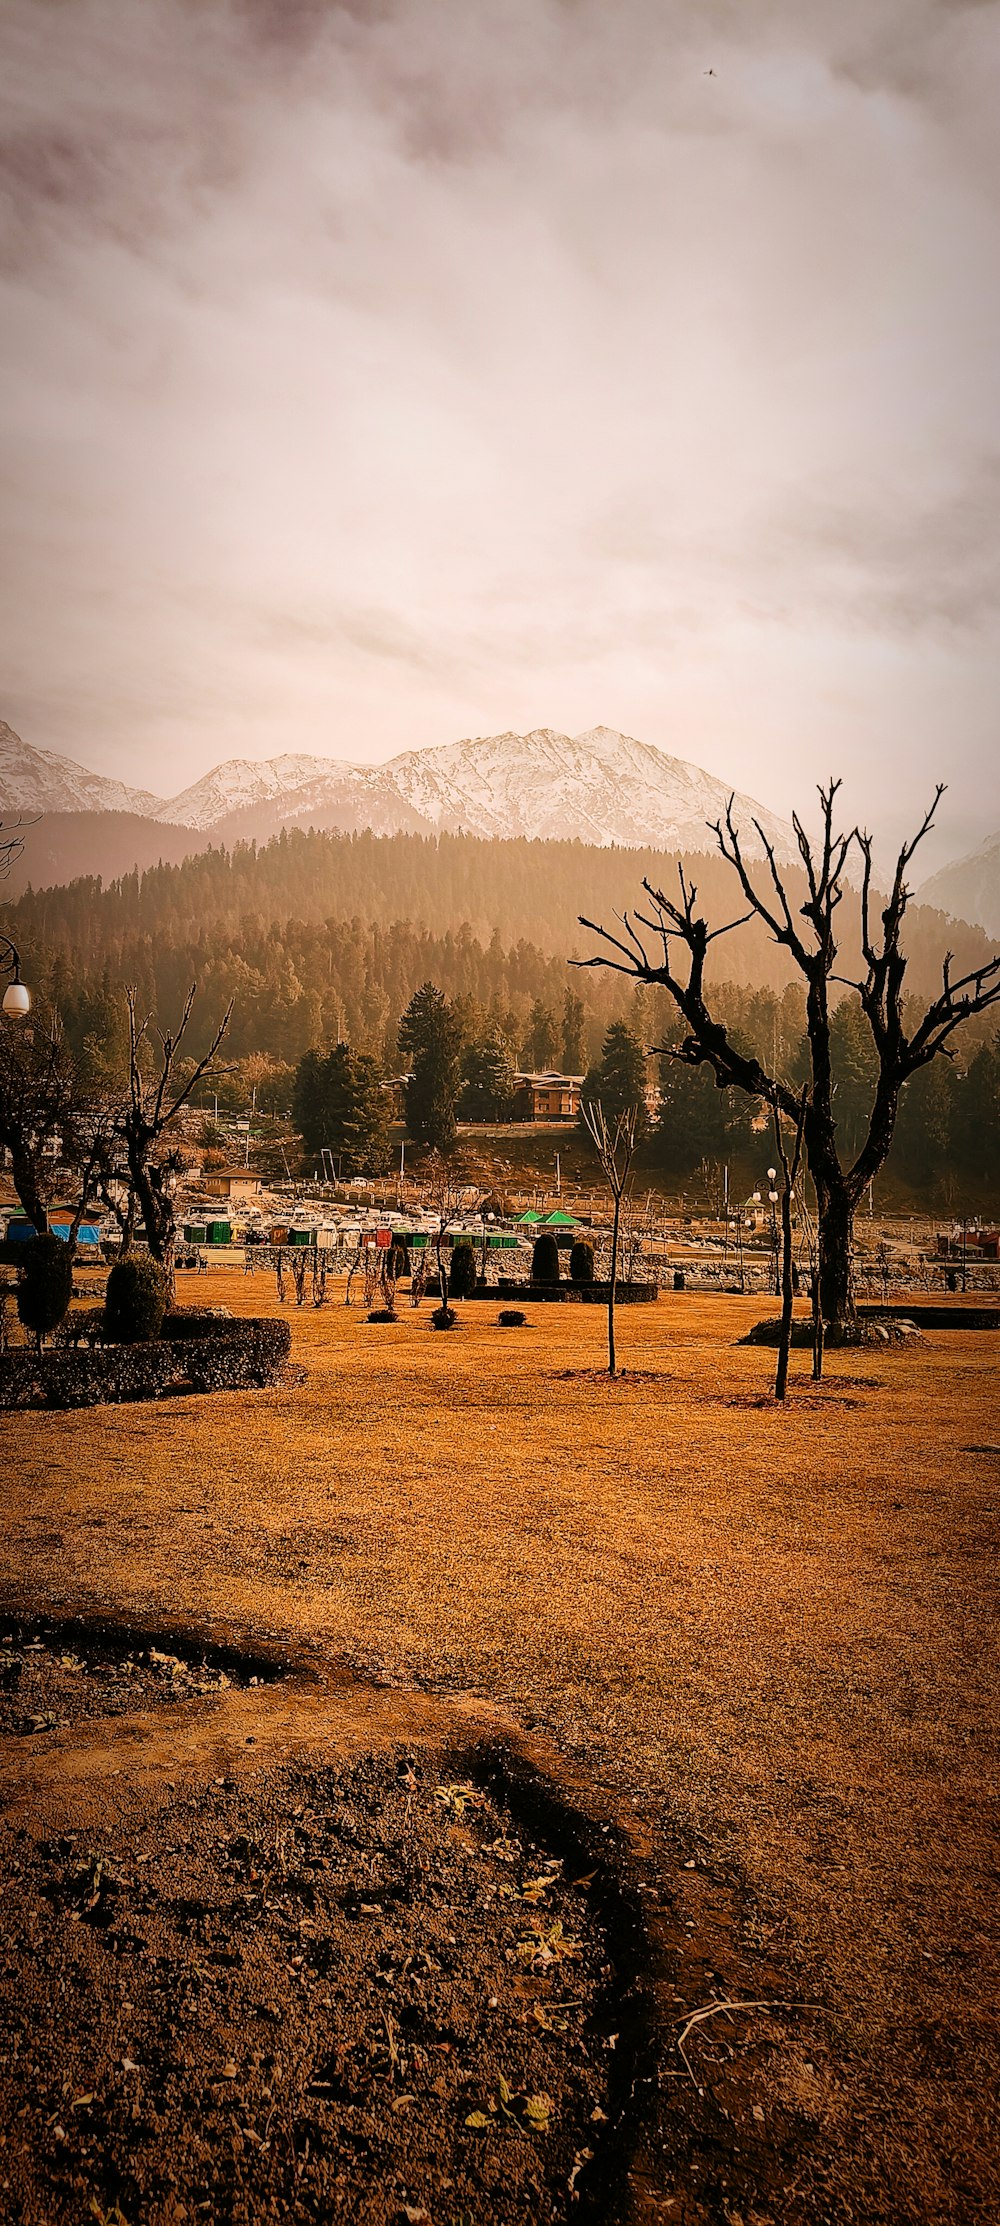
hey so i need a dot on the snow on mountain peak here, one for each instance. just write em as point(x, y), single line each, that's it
point(599, 787)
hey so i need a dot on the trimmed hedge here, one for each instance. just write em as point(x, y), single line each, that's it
point(237, 1356)
point(135, 1301)
point(581, 1262)
point(19, 1379)
point(464, 1272)
point(99, 1378)
point(46, 1284)
point(240, 1356)
point(545, 1259)
point(199, 1321)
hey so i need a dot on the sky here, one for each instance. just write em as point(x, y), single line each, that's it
point(385, 373)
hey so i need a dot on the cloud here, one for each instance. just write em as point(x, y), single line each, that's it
point(379, 373)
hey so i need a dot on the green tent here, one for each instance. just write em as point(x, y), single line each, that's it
point(533, 1220)
point(559, 1220)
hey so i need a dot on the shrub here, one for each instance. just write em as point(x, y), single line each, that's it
point(464, 1273)
point(199, 1321)
point(545, 1259)
point(99, 1378)
point(46, 1285)
point(444, 1317)
point(239, 1356)
point(85, 1327)
point(511, 1317)
point(581, 1263)
point(20, 1375)
point(383, 1314)
point(136, 1300)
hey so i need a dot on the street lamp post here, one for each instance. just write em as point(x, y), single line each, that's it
point(16, 996)
point(772, 1176)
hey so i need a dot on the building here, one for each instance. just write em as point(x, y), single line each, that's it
point(235, 1183)
point(546, 1097)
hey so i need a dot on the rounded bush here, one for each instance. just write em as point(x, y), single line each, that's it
point(545, 1259)
point(511, 1317)
point(136, 1300)
point(383, 1314)
point(464, 1273)
point(444, 1317)
point(581, 1263)
point(46, 1285)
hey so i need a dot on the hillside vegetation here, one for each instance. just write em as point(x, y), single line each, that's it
point(319, 925)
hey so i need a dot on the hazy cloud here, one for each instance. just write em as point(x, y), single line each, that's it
point(382, 373)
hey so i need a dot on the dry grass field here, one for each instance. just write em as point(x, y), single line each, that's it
point(764, 1639)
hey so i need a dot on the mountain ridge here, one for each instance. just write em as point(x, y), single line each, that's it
point(599, 787)
point(968, 888)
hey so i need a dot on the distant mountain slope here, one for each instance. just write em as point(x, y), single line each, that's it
point(70, 846)
point(39, 781)
point(600, 787)
point(970, 888)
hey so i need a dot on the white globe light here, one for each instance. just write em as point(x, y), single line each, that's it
point(16, 1000)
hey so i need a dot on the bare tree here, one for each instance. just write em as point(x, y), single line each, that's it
point(615, 1148)
point(36, 1097)
point(789, 1172)
point(151, 1106)
point(60, 1131)
point(900, 1049)
point(445, 1187)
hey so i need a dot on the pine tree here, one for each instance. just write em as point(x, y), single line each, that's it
point(572, 1033)
point(430, 1040)
point(619, 1079)
point(695, 1120)
point(321, 1099)
point(367, 1145)
point(541, 1044)
point(487, 1081)
point(339, 1105)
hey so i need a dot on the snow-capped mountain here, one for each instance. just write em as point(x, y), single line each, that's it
point(600, 787)
point(40, 781)
point(969, 888)
point(240, 784)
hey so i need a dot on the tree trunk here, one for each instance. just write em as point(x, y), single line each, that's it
point(836, 1260)
point(25, 1179)
point(787, 1294)
point(612, 1285)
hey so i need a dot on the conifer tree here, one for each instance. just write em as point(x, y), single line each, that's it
point(430, 1040)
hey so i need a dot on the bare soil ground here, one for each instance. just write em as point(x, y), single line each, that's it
point(732, 1666)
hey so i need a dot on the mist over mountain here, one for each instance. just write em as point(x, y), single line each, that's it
point(969, 888)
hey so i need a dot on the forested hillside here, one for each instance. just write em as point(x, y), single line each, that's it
point(323, 934)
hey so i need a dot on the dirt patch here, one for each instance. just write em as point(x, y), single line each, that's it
point(600, 1376)
point(54, 1675)
point(370, 1994)
point(795, 1400)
